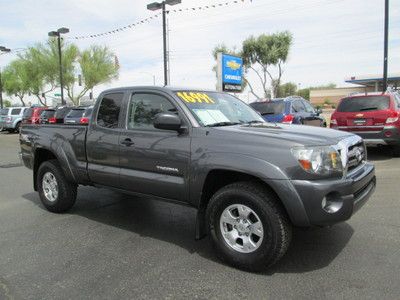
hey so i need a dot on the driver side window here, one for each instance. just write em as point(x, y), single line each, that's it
point(298, 106)
point(144, 107)
point(309, 108)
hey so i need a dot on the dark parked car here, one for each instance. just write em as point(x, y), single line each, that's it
point(32, 115)
point(289, 110)
point(250, 181)
point(78, 115)
point(61, 112)
point(47, 116)
point(374, 117)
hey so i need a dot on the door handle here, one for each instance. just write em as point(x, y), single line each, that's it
point(127, 142)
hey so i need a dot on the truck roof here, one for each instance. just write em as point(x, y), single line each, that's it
point(160, 88)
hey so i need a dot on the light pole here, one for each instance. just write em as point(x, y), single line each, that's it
point(161, 5)
point(5, 50)
point(385, 51)
point(57, 34)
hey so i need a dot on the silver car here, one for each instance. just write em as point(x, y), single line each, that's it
point(11, 118)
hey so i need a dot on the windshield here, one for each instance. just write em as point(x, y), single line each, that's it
point(367, 103)
point(269, 108)
point(218, 109)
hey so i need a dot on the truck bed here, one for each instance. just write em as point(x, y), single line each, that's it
point(66, 142)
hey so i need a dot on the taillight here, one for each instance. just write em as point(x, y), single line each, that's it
point(84, 120)
point(333, 123)
point(8, 120)
point(393, 118)
point(52, 120)
point(288, 119)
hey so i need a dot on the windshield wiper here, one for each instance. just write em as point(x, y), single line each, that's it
point(222, 124)
point(254, 122)
point(368, 108)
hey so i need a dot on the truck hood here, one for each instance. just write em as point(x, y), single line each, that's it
point(296, 134)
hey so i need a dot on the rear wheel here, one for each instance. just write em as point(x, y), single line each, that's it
point(248, 227)
point(396, 150)
point(56, 192)
point(18, 127)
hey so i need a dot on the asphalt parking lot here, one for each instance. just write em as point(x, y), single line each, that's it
point(112, 246)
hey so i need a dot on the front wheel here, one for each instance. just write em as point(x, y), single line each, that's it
point(248, 226)
point(56, 192)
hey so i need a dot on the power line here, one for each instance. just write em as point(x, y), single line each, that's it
point(148, 19)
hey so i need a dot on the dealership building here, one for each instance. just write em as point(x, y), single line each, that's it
point(363, 84)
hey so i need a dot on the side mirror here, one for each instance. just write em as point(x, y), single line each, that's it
point(318, 111)
point(167, 121)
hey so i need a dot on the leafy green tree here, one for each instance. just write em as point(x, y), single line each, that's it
point(44, 66)
point(98, 65)
point(266, 51)
point(305, 93)
point(287, 89)
point(6, 103)
point(15, 80)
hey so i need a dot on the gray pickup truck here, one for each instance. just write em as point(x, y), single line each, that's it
point(249, 180)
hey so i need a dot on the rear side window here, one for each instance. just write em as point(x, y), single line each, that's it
point(4, 112)
point(109, 110)
point(15, 111)
point(269, 108)
point(367, 103)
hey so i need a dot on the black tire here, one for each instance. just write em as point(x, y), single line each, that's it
point(17, 127)
point(396, 151)
point(67, 191)
point(276, 225)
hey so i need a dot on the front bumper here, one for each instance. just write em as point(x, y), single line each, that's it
point(347, 195)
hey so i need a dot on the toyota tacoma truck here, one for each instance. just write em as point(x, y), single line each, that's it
point(250, 181)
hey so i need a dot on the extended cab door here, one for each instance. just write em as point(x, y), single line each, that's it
point(153, 161)
point(102, 142)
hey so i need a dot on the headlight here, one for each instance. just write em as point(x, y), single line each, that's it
point(321, 160)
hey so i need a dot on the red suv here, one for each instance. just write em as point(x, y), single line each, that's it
point(374, 117)
point(32, 115)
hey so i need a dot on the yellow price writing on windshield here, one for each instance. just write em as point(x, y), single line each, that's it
point(192, 97)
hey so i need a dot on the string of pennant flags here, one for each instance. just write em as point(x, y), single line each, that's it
point(149, 19)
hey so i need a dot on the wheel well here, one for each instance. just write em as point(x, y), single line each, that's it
point(41, 155)
point(217, 179)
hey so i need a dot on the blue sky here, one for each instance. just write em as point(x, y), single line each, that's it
point(333, 39)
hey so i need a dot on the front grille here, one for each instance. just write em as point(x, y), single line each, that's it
point(356, 155)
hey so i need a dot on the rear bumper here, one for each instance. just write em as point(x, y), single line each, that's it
point(344, 196)
point(390, 135)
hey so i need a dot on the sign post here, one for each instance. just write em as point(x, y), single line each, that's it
point(229, 73)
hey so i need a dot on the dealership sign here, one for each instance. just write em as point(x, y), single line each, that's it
point(230, 73)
